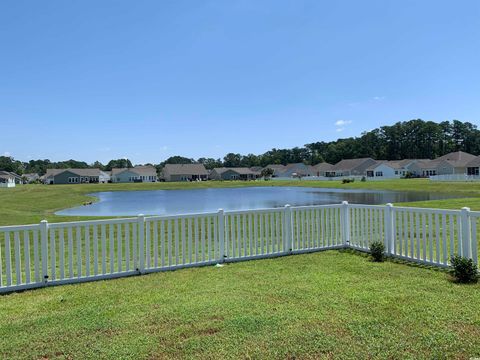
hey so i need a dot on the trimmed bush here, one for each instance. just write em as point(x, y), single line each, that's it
point(464, 270)
point(348, 181)
point(377, 250)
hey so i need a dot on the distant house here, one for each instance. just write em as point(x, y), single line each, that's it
point(449, 164)
point(321, 169)
point(75, 176)
point(296, 170)
point(473, 166)
point(277, 169)
point(239, 173)
point(9, 179)
point(32, 177)
point(351, 167)
point(184, 172)
point(394, 169)
point(136, 174)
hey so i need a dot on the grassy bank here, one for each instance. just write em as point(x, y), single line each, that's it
point(32, 203)
point(328, 304)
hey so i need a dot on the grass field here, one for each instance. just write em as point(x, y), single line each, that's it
point(330, 304)
point(325, 305)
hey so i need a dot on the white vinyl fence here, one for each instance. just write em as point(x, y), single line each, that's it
point(455, 177)
point(51, 254)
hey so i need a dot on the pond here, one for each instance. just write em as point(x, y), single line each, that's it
point(169, 202)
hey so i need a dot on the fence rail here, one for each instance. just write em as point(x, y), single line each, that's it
point(60, 253)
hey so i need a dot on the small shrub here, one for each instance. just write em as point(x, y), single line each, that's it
point(377, 250)
point(347, 181)
point(464, 270)
point(363, 179)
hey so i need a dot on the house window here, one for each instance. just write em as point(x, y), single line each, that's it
point(379, 173)
point(396, 172)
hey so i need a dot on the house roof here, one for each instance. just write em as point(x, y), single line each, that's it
point(322, 166)
point(79, 172)
point(458, 158)
point(185, 169)
point(238, 170)
point(8, 174)
point(139, 170)
point(474, 163)
point(349, 164)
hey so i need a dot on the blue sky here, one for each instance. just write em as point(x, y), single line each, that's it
point(96, 80)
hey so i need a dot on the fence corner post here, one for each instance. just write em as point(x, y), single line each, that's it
point(389, 239)
point(345, 216)
point(221, 235)
point(465, 233)
point(141, 243)
point(44, 249)
point(288, 238)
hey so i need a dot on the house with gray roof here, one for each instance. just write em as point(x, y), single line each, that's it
point(76, 176)
point(9, 179)
point(351, 167)
point(277, 169)
point(145, 173)
point(184, 172)
point(321, 169)
point(296, 170)
point(473, 167)
point(238, 173)
point(455, 163)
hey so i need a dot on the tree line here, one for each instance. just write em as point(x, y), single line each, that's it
point(413, 139)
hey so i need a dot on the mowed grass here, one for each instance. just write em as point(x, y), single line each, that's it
point(325, 305)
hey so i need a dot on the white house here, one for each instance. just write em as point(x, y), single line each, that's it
point(394, 169)
point(136, 174)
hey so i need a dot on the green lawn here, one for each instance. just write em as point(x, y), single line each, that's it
point(331, 304)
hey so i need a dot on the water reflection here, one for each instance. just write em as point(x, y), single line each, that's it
point(167, 202)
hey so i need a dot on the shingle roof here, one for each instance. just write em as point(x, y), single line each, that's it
point(238, 170)
point(349, 164)
point(185, 169)
point(79, 172)
point(474, 163)
point(140, 170)
point(458, 158)
point(322, 166)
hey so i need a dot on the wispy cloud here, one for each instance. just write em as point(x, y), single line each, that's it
point(378, 98)
point(7, 154)
point(341, 124)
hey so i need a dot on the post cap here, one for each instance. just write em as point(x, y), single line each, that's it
point(287, 205)
point(465, 208)
point(344, 202)
point(141, 215)
point(44, 221)
point(389, 204)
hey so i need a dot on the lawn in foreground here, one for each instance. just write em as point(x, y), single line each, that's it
point(327, 304)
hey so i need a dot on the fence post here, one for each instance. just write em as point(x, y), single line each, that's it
point(221, 235)
point(288, 238)
point(44, 249)
point(465, 234)
point(345, 217)
point(388, 229)
point(141, 243)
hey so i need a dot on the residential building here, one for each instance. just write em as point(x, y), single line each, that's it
point(449, 164)
point(239, 173)
point(9, 179)
point(473, 166)
point(184, 172)
point(146, 173)
point(321, 169)
point(351, 167)
point(393, 169)
point(277, 169)
point(296, 170)
point(28, 178)
point(75, 176)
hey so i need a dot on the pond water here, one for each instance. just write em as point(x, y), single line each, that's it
point(169, 202)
